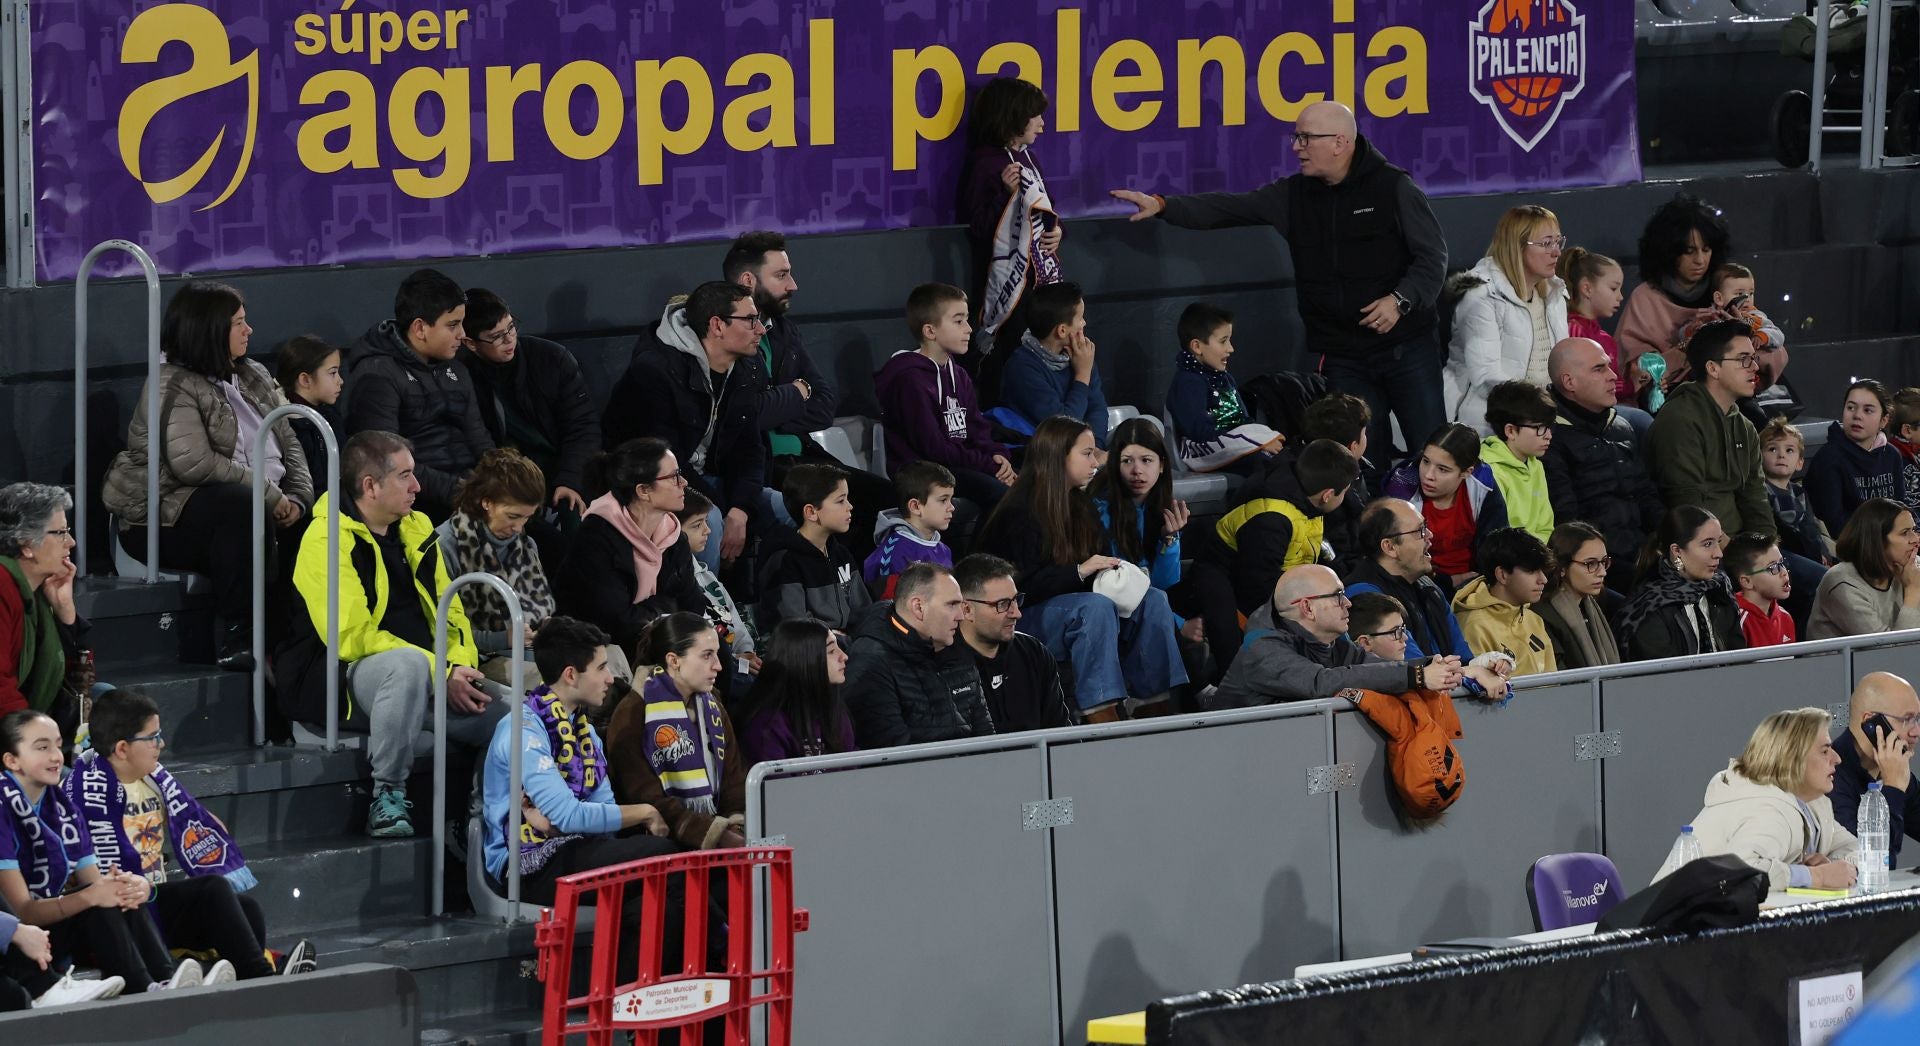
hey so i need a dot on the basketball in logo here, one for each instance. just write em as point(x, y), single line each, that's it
point(1526, 60)
point(665, 736)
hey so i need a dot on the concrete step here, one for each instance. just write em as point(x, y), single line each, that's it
point(1829, 292)
point(1820, 371)
point(329, 882)
point(202, 708)
point(137, 625)
point(466, 966)
point(278, 794)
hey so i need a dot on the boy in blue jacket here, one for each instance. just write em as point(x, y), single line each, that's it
point(1214, 430)
point(1052, 371)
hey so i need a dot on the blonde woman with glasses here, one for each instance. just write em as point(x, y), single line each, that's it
point(1512, 312)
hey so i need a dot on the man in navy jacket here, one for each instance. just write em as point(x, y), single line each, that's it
point(1890, 762)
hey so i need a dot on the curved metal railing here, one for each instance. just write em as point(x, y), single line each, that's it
point(80, 484)
point(260, 570)
point(518, 626)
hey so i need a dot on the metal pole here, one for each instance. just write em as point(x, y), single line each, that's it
point(152, 275)
point(16, 142)
point(1873, 107)
point(518, 624)
point(1816, 120)
point(260, 565)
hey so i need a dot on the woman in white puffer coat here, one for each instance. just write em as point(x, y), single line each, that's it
point(1512, 310)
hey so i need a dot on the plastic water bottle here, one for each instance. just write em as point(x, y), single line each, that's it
point(1871, 857)
point(1686, 849)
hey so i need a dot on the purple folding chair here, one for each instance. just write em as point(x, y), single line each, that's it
point(1569, 889)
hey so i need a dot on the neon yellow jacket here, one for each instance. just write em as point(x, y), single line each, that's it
point(1523, 485)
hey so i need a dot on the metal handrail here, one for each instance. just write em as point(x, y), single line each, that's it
point(1744, 656)
point(260, 570)
point(152, 275)
point(518, 625)
point(1816, 122)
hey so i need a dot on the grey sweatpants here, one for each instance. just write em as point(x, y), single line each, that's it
point(396, 689)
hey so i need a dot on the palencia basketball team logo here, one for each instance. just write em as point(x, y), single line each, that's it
point(1527, 60)
point(213, 68)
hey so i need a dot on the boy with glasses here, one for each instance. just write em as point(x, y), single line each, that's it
point(1760, 582)
point(1521, 416)
point(1020, 679)
point(1377, 624)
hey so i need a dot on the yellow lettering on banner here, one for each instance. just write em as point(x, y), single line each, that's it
point(1025, 59)
point(820, 109)
point(557, 110)
point(1066, 69)
point(386, 33)
point(504, 86)
point(1272, 94)
point(1225, 53)
point(776, 100)
point(423, 30)
point(650, 80)
point(1343, 69)
point(310, 34)
point(910, 125)
point(356, 116)
point(454, 18)
point(1109, 83)
point(1410, 71)
point(339, 23)
point(451, 143)
point(213, 67)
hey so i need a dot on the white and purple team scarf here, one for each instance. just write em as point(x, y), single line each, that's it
point(199, 842)
point(45, 836)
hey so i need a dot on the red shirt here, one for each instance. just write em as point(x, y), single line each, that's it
point(1452, 533)
point(1763, 628)
point(1579, 326)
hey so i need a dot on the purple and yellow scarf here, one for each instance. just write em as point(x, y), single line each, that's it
point(579, 760)
point(687, 752)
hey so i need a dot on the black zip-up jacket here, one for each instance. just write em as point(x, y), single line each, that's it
point(596, 583)
point(391, 388)
point(798, 580)
point(781, 408)
point(1353, 243)
point(543, 386)
point(1594, 472)
point(901, 691)
point(668, 394)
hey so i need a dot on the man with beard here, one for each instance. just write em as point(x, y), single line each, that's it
point(798, 399)
point(1401, 566)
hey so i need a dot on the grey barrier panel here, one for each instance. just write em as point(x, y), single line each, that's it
point(929, 901)
point(1903, 661)
point(1677, 730)
point(1196, 859)
point(1526, 795)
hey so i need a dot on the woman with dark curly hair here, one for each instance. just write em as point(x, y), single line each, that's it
point(1679, 247)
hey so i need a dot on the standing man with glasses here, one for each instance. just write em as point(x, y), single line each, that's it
point(689, 387)
point(1702, 451)
point(1594, 467)
point(1020, 679)
point(1368, 260)
point(1400, 565)
point(1297, 650)
point(1885, 756)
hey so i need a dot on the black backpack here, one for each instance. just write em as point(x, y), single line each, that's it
point(1279, 400)
point(1712, 893)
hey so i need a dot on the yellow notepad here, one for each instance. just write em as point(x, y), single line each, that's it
point(1127, 1029)
point(1808, 891)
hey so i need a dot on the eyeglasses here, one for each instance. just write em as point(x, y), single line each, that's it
point(1552, 243)
point(754, 321)
point(1400, 632)
point(676, 476)
point(512, 332)
point(1424, 531)
point(1597, 565)
point(1904, 722)
point(63, 532)
point(1341, 596)
point(1543, 429)
point(1778, 568)
point(1744, 361)
point(1306, 137)
point(157, 739)
point(1003, 606)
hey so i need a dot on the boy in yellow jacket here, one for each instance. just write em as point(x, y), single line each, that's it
point(1496, 608)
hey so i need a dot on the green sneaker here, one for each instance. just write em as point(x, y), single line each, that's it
point(387, 817)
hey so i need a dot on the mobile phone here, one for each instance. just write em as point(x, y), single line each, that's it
point(1876, 725)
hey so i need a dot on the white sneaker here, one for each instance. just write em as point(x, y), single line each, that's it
point(66, 991)
point(187, 974)
point(221, 972)
point(299, 959)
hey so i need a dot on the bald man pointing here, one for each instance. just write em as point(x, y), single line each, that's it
point(1368, 259)
point(1298, 650)
point(1889, 762)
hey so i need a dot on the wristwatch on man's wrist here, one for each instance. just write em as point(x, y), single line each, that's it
point(1405, 303)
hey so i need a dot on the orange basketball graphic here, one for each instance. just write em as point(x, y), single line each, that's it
point(665, 735)
point(1527, 58)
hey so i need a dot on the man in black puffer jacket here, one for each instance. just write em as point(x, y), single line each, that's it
point(531, 396)
point(402, 378)
point(908, 681)
point(1594, 471)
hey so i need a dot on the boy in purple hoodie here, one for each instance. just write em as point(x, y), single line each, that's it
point(928, 405)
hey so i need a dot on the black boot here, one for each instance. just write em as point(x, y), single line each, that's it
point(236, 649)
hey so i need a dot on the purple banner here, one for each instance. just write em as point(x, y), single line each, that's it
point(245, 134)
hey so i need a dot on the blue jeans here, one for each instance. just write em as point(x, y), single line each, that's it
point(771, 503)
point(1400, 381)
point(1112, 657)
